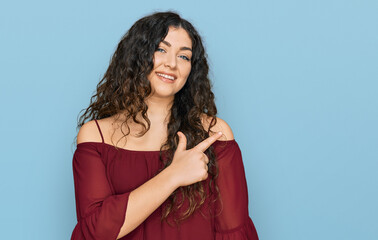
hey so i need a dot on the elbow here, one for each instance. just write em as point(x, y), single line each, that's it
point(125, 229)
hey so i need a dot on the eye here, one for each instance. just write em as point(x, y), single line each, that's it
point(160, 49)
point(184, 57)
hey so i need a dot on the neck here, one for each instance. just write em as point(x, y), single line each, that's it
point(159, 109)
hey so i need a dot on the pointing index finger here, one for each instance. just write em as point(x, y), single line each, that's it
point(205, 144)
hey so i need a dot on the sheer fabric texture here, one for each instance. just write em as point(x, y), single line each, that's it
point(105, 176)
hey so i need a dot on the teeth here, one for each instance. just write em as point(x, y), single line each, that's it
point(166, 76)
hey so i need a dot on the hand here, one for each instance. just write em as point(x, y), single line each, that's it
point(190, 166)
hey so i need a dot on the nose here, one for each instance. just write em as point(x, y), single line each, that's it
point(170, 61)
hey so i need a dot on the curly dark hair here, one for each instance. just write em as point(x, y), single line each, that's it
point(124, 88)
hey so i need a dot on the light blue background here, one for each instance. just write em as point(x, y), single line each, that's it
point(296, 80)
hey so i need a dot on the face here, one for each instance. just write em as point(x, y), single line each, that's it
point(172, 64)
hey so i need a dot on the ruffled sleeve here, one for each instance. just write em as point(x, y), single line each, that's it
point(232, 221)
point(100, 213)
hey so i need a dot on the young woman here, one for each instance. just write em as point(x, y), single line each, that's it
point(154, 161)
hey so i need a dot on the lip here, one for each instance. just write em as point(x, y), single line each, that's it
point(166, 79)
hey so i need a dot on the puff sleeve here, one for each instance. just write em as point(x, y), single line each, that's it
point(232, 221)
point(100, 213)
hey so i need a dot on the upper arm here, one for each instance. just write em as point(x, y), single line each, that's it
point(100, 212)
point(88, 133)
point(232, 207)
point(220, 126)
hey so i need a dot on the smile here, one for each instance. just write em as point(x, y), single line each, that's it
point(166, 76)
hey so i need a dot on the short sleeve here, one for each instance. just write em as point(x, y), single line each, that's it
point(232, 221)
point(100, 213)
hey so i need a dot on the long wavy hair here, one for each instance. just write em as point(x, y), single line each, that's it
point(124, 88)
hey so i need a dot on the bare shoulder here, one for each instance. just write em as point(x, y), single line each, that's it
point(89, 132)
point(220, 126)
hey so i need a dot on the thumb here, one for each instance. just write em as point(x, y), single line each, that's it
point(181, 146)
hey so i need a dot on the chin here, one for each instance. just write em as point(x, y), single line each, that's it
point(161, 94)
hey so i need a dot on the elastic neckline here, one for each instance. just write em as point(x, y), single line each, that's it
point(153, 151)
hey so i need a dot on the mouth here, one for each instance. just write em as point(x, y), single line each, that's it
point(170, 78)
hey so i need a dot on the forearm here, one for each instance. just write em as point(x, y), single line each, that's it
point(146, 199)
point(187, 167)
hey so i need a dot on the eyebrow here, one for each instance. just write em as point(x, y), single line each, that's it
point(182, 48)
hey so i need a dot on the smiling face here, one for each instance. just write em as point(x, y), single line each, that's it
point(172, 64)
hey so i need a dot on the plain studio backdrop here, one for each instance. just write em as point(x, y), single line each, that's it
point(296, 80)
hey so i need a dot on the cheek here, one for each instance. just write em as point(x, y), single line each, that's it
point(187, 70)
point(187, 73)
point(156, 60)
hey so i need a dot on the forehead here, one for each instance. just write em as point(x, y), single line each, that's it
point(178, 37)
